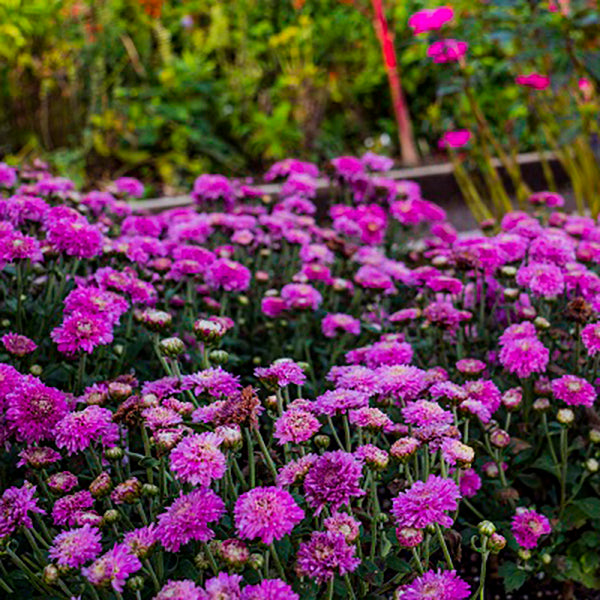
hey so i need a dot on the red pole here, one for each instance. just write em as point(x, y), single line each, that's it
point(408, 148)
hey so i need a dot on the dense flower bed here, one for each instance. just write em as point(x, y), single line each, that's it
point(236, 400)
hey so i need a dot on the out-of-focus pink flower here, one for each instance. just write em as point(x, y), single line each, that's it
point(449, 50)
point(430, 19)
point(455, 139)
point(535, 81)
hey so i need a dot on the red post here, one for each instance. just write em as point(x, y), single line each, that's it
point(408, 148)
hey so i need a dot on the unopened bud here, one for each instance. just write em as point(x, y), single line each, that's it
point(36, 370)
point(50, 574)
point(135, 583)
point(496, 542)
point(111, 516)
point(218, 357)
point(565, 416)
point(486, 528)
point(592, 465)
point(322, 441)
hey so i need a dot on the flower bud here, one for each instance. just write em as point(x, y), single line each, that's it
point(524, 554)
point(322, 441)
point(546, 558)
point(496, 542)
point(486, 528)
point(511, 293)
point(127, 492)
point(5, 323)
point(101, 486)
point(36, 370)
point(595, 436)
point(499, 438)
point(150, 490)
point(231, 436)
point(172, 346)
point(235, 553)
point(118, 390)
point(135, 583)
point(565, 416)
point(207, 331)
point(592, 465)
point(218, 357)
point(508, 271)
point(50, 574)
point(511, 399)
point(408, 537)
point(256, 561)
point(156, 320)
point(404, 448)
point(541, 405)
point(114, 454)
point(271, 401)
point(111, 516)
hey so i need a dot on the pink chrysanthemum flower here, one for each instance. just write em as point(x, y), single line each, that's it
point(269, 589)
point(214, 381)
point(294, 472)
point(268, 513)
point(325, 555)
point(470, 366)
point(296, 426)
point(74, 236)
point(524, 357)
point(424, 412)
point(223, 586)
point(34, 409)
point(334, 323)
point(184, 589)
point(282, 372)
point(519, 331)
point(18, 345)
point(142, 540)
point(486, 392)
point(62, 482)
point(198, 460)
point(543, 279)
point(590, 336)
point(82, 332)
point(384, 352)
point(15, 506)
point(129, 186)
point(75, 547)
point(66, 510)
point(340, 401)
point(448, 50)
point(213, 187)
point(372, 419)
point(333, 481)
point(95, 301)
point(301, 296)
point(228, 275)
point(574, 391)
point(114, 567)
point(469, 483)
point(436, 585)
point(426, 502)
point(454, 451)
point(77, 430)
point(345, 524)
point(38, 456)
point(356, 378)
point(402, 382)
point(528, 526)
point(187, 519)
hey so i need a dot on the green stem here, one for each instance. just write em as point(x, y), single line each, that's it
point(266, 454)
point(440, 536)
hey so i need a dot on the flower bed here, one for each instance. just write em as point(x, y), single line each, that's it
point(237, 401)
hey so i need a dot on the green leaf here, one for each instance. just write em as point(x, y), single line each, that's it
point(590, 506)
point(513, 577)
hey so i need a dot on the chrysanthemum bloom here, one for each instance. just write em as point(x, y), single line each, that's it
point(160, 417)
point(384, 352)
point(8, 176)
point(142, 540)
point(333, 481)
point(184, 589)
point(18, 345)
point(426, 502)
point(374, 457)
point(528, 526)
point(469, 483)
point(449, 50)
point(77, 430)
point(269, 589)
point(555, 248)
point(114, 567)
point(574, 391)
point(438, 585)
point(198, 460)
point(75, 237)
point(294, 472)
point(470, 366)
point(214, 381)
point(75, 547)
point(486, 392)
point(369, 418)
point(268, 513)
point(282, 372)
point(519, 331)
point(213, 187)
point(534, 81)
point(325, 555)
point(223, 586)
point(127, 492)
point(425, 412)
point(347, 167)
point(38, 456)
point(62, 482)
point(455, 139)
point(82, 332)
point(301, 296)
point(96, 301)
point(288, 166)
point(34, 409)
point(273, 306)
point(16, 246)
point(129, 186)
point(401, 382)
point(15, 506)
point(356, 378)
point(228, 275)
point(524, 357)
point(404, 448)
point(590, 336)
point(543, 279)
point(296, 426)
point(454, 451)
point(187, 519)
point(334, 323)
point(430, 19)
point(66, 510)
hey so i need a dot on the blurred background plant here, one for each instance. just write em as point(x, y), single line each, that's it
point(165, 90)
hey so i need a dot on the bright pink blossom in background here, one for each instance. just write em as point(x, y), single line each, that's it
point(455, 139)
point(444, 51)
point(430, 19)
point(535, 81)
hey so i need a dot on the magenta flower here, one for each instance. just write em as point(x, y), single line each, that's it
point(444, 51)
point(441, 585)
point(209, 188)
point(282, 372)
point(114, 567)
point(223, 586)
point(228, 275)
point(325, 555)
point(129, 186)
point(289, 166)
point(198, 460)
point(184, 589)
point(528, 526)
point(187, 519)
point(525, 356)
point(455, 139)
point(430, 19)
point(269, 589)
point(469, 483)
point(335, 323)
point(82, 332)
point(268, 513)
point(426, 503)
point(574, 391)
point(8, 176)
point(15, 506)
point(333, 481)
point(77, 430)
point(296, 425)
point(590, 336)
point(301, 296)
point(66, 510)
point(75, 547)
point(534, 81)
